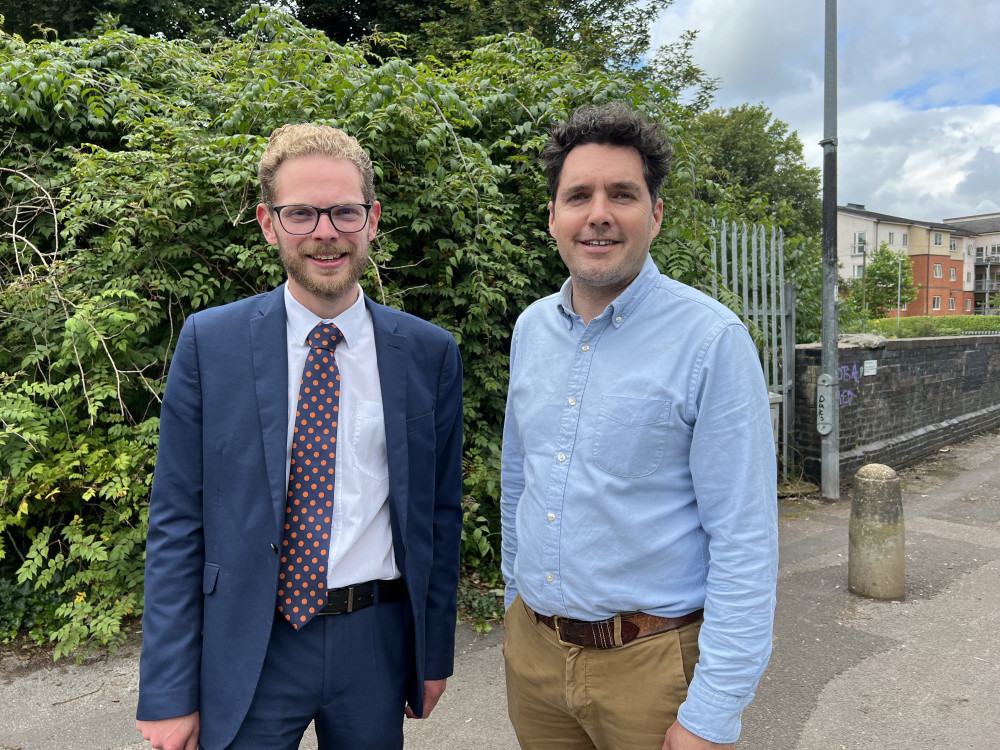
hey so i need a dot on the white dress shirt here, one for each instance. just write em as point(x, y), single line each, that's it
point(361, 538)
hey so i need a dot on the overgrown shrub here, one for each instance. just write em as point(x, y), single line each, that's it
point(934, 325)
point(129, 187)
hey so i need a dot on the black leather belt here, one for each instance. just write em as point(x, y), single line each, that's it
point(361, 595)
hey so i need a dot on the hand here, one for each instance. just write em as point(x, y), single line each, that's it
point(679, 738)
point(180, 733)
point(432, 694)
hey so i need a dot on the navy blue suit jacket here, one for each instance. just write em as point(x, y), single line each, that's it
point(218, 499)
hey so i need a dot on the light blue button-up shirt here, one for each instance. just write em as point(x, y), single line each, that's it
point(639, 475)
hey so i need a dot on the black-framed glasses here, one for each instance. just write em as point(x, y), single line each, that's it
point(297, 218)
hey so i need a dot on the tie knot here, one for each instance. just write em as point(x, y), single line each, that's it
point(325, 336)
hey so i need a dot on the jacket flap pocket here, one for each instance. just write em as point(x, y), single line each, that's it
point(209, 578)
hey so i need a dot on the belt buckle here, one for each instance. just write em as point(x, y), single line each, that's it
point(559, 638)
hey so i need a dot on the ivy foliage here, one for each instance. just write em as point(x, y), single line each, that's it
point(128, 185)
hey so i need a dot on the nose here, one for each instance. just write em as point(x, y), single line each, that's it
point(600, 209)
point(324, 227)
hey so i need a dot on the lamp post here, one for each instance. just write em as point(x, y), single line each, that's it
point(828, 419)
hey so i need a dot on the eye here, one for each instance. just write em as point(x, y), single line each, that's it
point(350, 211)
point(299, 213)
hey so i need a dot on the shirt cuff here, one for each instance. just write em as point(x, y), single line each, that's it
point(713, 716)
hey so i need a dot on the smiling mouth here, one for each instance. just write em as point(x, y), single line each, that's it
point(598, 243)
point(327, 256)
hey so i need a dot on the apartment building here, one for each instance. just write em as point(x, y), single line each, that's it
point(943, 268)
point(982, 243)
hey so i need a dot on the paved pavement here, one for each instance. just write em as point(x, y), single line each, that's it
point(846, 674)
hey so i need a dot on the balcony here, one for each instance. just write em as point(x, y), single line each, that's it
point(987, 285)
point(985, 259)
point(980, 310)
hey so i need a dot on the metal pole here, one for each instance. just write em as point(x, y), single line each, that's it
point(830, 452)
point(899, 290)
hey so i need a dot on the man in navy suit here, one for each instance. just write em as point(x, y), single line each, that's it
point(225, 662)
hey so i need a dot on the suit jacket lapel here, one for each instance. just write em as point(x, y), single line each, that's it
point(390, 349)
point(270, 362)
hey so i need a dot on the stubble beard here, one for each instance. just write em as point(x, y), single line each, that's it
point(324, 285)
point(612, 278)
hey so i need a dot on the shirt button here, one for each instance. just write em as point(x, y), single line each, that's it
point(551, 516)
point(618, 319)
point(561, 457)
point(549, 577)
point(585, 347)
point(572, 401)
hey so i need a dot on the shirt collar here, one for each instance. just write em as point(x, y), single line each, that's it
point(301, 320)
point(624, 304)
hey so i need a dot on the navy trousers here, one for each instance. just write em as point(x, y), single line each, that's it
point(348, 672)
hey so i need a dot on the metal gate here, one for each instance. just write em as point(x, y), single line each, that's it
point(749, 263)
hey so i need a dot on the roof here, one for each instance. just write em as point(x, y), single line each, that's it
point(956, 229)
point(986, 224)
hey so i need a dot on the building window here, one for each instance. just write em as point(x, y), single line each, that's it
point(858, 248)
point(859, 271)
point(951, 303)
point(938, 271)
point(968, 305)
point(968, 276)
point(936, 302)
point(906, 240)
point(903, 308)
point(938, 239)
point(952, 245)
point(951, 274)
point(892, 238)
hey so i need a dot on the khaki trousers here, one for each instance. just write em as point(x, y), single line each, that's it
point(563, 697)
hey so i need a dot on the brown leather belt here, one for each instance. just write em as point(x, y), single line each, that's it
point(615, 631)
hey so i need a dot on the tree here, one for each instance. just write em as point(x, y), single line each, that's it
point(174, 19)
point(754, 152)
point(888, 273)
point(598, 34)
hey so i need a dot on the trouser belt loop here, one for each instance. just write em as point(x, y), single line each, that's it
point(618, 630)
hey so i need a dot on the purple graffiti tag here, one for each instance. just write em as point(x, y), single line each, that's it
point(849, 372)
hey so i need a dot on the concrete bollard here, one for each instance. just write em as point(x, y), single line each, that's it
point(876, 565)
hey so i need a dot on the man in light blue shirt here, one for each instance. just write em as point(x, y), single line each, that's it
point(639, 482)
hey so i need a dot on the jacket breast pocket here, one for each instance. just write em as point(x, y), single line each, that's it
point(631, 435)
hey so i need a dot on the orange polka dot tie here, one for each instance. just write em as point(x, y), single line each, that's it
point(309, 508)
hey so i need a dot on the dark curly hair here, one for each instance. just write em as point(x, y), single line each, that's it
point(612, 124)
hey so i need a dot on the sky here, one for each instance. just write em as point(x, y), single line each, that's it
point(918, 91)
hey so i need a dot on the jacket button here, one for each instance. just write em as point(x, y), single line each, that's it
point(274, 547)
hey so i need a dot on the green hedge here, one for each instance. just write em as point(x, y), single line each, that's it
point(933, 325)
point(129, 188)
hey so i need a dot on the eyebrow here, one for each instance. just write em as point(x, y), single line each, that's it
point(622, 185)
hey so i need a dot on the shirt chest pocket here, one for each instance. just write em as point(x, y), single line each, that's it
point(631, 435)
point(368, 441)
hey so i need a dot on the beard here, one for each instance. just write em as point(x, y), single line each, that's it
point(329, 285)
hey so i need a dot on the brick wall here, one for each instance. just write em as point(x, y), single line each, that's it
point(924, 394)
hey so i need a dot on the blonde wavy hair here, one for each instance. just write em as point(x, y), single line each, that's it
point(294, 141)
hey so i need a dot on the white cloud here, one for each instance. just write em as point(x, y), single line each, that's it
point(918, 98)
